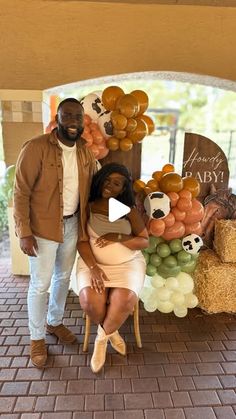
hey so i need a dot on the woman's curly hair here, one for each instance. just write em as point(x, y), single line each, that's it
point(126, 197)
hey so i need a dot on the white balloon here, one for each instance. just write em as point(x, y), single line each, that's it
point(165, 306)
point(172, 283)
point(157, 281)
point(186, 283)
point(191, 300)
point(180, 311)
point(177, 298)
point(164, 294)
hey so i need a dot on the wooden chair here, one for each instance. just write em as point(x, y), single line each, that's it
point(136, 328)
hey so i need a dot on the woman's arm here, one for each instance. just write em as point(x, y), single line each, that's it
point(98, 276)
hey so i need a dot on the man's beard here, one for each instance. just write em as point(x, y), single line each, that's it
point(66, 135)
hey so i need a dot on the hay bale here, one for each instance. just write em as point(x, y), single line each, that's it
point(225, 240)
point(215, 283)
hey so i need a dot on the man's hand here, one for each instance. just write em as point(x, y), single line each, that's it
point(29, 245)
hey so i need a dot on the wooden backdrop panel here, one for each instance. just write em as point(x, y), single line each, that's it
point(205, 160)
point(131, 159)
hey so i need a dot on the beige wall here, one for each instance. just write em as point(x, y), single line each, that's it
point(46, 43)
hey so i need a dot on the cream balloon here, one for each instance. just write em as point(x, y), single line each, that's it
point(191, 300)
point(180, 311)
point(186, 283)
point(164, 294)
point(177, 298)
point(157, 281)
point(145, 293)
point(165, 306)
point(172, 283)
point(150, 306)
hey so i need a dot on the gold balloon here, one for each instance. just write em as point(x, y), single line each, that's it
point(131, 124)
point(119, 133)
point(113, 143)
point(110, 96)
point(126, 144)
point(142, 99)
point(118, 120)
point(128, 105)
point(150, 123)
point(140, 132)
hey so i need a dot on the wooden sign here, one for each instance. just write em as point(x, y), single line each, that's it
point(204, 160)
point(131, 159)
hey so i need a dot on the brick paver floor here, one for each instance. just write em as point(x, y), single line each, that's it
point(186, 368)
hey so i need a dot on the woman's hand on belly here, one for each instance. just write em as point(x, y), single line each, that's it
point(106, 239)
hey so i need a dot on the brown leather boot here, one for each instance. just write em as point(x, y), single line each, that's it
point(62, 333)
point(38, 353)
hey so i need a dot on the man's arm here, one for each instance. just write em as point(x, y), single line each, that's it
point(27, 171)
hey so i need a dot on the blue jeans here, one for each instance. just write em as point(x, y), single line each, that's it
point(51, 268)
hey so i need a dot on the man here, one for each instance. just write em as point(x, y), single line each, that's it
point(53, 177)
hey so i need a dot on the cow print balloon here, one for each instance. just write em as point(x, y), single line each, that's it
point(192, 243)
point(157, 205)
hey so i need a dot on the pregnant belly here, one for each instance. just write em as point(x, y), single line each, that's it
point(113, 254)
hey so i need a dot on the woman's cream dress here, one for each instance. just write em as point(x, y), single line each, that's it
point(124, 267)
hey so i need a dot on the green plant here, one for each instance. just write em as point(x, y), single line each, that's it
point(6, 191)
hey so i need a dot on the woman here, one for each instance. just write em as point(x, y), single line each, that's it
point(111, 269)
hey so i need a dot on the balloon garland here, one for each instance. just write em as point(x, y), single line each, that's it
point(172, 214)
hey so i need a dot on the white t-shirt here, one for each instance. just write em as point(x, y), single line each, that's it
point(70, 179)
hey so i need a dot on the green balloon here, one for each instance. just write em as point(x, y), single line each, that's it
point(170, 261)
point(155, 259)
point(10, 174)
point(175, 245)
point(183, 257)
point(163, 250)
point(166, 272)
point(150, 249)
point(146, 257)
point(188, 267)
point(151, 270)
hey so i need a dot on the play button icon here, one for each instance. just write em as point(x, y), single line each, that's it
point(116, 209)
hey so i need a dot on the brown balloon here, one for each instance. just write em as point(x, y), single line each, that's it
point(140, 132)
point(142, 99)
point(110, 96)
point(128, 105)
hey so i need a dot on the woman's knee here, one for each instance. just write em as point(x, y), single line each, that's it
point(91, 305)
point(124, 302)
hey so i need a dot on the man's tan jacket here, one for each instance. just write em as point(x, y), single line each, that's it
point(38, 190)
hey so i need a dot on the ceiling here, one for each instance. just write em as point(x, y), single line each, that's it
point(46, 43)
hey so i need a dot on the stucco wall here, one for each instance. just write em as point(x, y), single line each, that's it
point(46, 43)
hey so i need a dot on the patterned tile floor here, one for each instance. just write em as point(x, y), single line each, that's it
point(186, 368)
